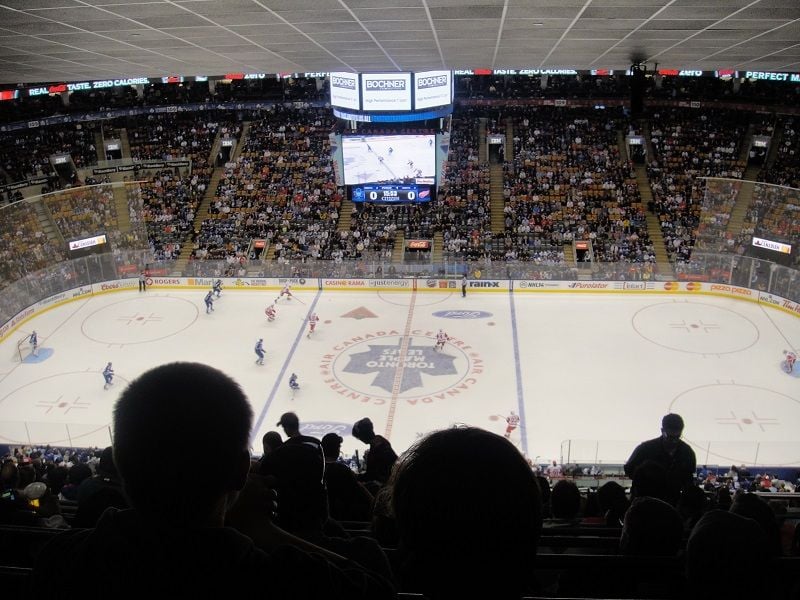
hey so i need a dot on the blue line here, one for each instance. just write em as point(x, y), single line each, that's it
point(274, 391)
point(518, 367)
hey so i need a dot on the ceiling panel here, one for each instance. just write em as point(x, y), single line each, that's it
point(289, 35)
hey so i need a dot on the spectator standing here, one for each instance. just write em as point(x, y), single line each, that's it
point(669, 451)
point(348, 499)
point(380, 457)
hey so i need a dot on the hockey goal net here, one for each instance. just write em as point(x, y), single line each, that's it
point(24, 349)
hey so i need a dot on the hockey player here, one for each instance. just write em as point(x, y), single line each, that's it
point(441, 339)
point(260, 351)
point(293, 385)
point(33, 340)
point(217, 287)
point(108, 375)
point(209, 300)
point(791, 358)
point(313, 319)
point(270, 312)
point(512, 422)
point(286, 291)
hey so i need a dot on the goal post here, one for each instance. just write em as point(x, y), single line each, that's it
point(23, 349)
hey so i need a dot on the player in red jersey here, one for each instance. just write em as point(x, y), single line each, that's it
point(270, 312)
point(512, 422)
point(313, 319)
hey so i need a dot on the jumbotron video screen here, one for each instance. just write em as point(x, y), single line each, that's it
point(389, 159)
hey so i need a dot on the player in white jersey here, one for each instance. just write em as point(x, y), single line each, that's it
point(512, 422)
point(441, 340)
point(271, 313)
point(286, 291)
point(313, 319)
point(790, 360)
point(217, 287)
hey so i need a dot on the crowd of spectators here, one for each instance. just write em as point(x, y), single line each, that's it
point(24, 247)
point(690, 144)
point(785, 170)
point(567, 182)
point(281, 188)
point(175, 136)
point(170, 203)
point(458, 510)
point(27, 153)
point(463, 204)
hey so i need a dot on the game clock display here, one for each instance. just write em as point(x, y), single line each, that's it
point(391, 194)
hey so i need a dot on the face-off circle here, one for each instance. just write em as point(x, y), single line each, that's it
point(140, 320)
point(60, 417)
point(747, 424)
point(695, 328)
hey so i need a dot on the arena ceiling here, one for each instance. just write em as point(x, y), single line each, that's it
point(54, 40)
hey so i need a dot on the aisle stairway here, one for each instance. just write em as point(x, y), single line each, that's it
point(743, 202)
point(398, 251)
point(242, 139)
point(126, 145)
point(663, 265)
point(623, 147)
point(483, 149)
point(123, 210)
point(437, 255)
point(744, 151)
point(202, 214)
point(569, 254)
point(47, 225)
point(509, 147)
point(497, 202)
point(98, 146)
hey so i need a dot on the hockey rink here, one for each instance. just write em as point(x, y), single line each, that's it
point(590, 375)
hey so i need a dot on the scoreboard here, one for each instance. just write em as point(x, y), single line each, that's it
point(391, 194)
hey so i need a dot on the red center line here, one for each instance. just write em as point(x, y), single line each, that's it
point(401, 366)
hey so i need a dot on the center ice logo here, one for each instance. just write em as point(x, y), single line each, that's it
point(380, 366)
point(385, 359)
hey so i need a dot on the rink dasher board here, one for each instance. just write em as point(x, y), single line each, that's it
point(525, 287)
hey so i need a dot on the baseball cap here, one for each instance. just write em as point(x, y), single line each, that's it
point(288, 418)
point(35, 490)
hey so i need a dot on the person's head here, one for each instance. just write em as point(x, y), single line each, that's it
point(363, 430)
point(468, 509)
point(331, 446)
point(723, 542)
point(213, 413)
point(299, 471)
point(754, 507)
point(671, 429)
point(270, 441)
point(78, 473)
point(290, 423)
point(565, 500)
point(651, 528)
point(611, 496)
point(106, 466)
